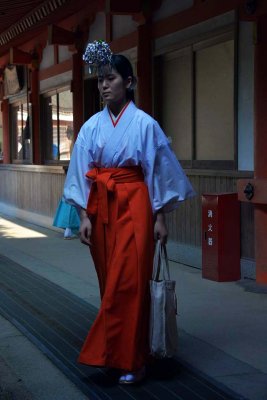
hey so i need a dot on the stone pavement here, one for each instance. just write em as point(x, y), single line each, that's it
point(223, 326)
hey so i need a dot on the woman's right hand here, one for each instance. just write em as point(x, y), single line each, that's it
point(85, 230)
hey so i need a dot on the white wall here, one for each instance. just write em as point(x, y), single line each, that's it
point(246, 97)
point(98, 28)
point(170, 7)
point(122, 25)
point(48, 57)
point(64, 53)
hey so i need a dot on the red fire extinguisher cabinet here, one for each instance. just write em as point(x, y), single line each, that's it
point(221, 237)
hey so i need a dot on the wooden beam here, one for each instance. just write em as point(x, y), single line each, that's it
point(56, 69)
point(34, 97)
point(125, 42)
point(259, 190)
point(250, 10)
point(144, 67)
point(6, 137)
point(17, 56)
point(260, 143)
point(131, 7)
point(109, 28)
point(77, 90)
point(200, 12)
point(57, 35)
point(123, 7)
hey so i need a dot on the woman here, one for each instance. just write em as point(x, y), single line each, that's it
point(123, 164)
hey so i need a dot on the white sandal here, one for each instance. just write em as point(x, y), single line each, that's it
point(130, 378)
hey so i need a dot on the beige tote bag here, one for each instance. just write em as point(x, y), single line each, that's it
point(163, 326)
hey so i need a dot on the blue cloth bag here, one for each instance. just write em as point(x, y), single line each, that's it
point(67, 217)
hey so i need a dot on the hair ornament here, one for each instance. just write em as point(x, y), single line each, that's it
point(97, 55)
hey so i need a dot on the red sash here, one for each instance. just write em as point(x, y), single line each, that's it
point(104, 182)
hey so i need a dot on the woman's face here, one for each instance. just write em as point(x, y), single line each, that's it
point(112, 86)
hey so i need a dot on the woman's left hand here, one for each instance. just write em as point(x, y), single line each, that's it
point(160, 228)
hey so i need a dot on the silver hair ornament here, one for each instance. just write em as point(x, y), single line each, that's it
point(97, 55)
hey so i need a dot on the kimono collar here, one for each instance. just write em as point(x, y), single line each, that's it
point(116, 119)
point(115, 135)
point(123, 118)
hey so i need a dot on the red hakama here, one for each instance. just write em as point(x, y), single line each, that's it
point(122, 250)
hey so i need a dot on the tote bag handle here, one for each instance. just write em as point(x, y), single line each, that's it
point(161, 270)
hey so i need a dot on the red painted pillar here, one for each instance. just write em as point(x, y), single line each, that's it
point(77, 91)
point(36, 148)
point(144, 67)
point(6, 137)
point(260, 147)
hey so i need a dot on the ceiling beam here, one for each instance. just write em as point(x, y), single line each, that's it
point(57, 35)
point(123, 7)
point(131, 7)
point(17, 56)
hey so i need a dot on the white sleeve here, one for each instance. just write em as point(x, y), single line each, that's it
point(77, 186)
point(164, 176)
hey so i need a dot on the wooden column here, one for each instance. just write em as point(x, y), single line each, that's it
point(77, 90)
point(34, 98)
point(6, 137)
point(109, 28)
point(260, 148)
point(144, 67)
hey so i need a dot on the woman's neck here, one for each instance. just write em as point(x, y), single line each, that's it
point(116, 108)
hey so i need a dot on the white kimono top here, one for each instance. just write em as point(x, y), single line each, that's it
point(137, 139)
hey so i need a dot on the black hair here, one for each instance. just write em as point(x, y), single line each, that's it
point(123, 66)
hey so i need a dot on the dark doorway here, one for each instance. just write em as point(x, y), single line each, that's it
point(92, 101)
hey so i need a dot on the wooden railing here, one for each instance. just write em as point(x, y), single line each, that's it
point(31, 188)
point(38, 189)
